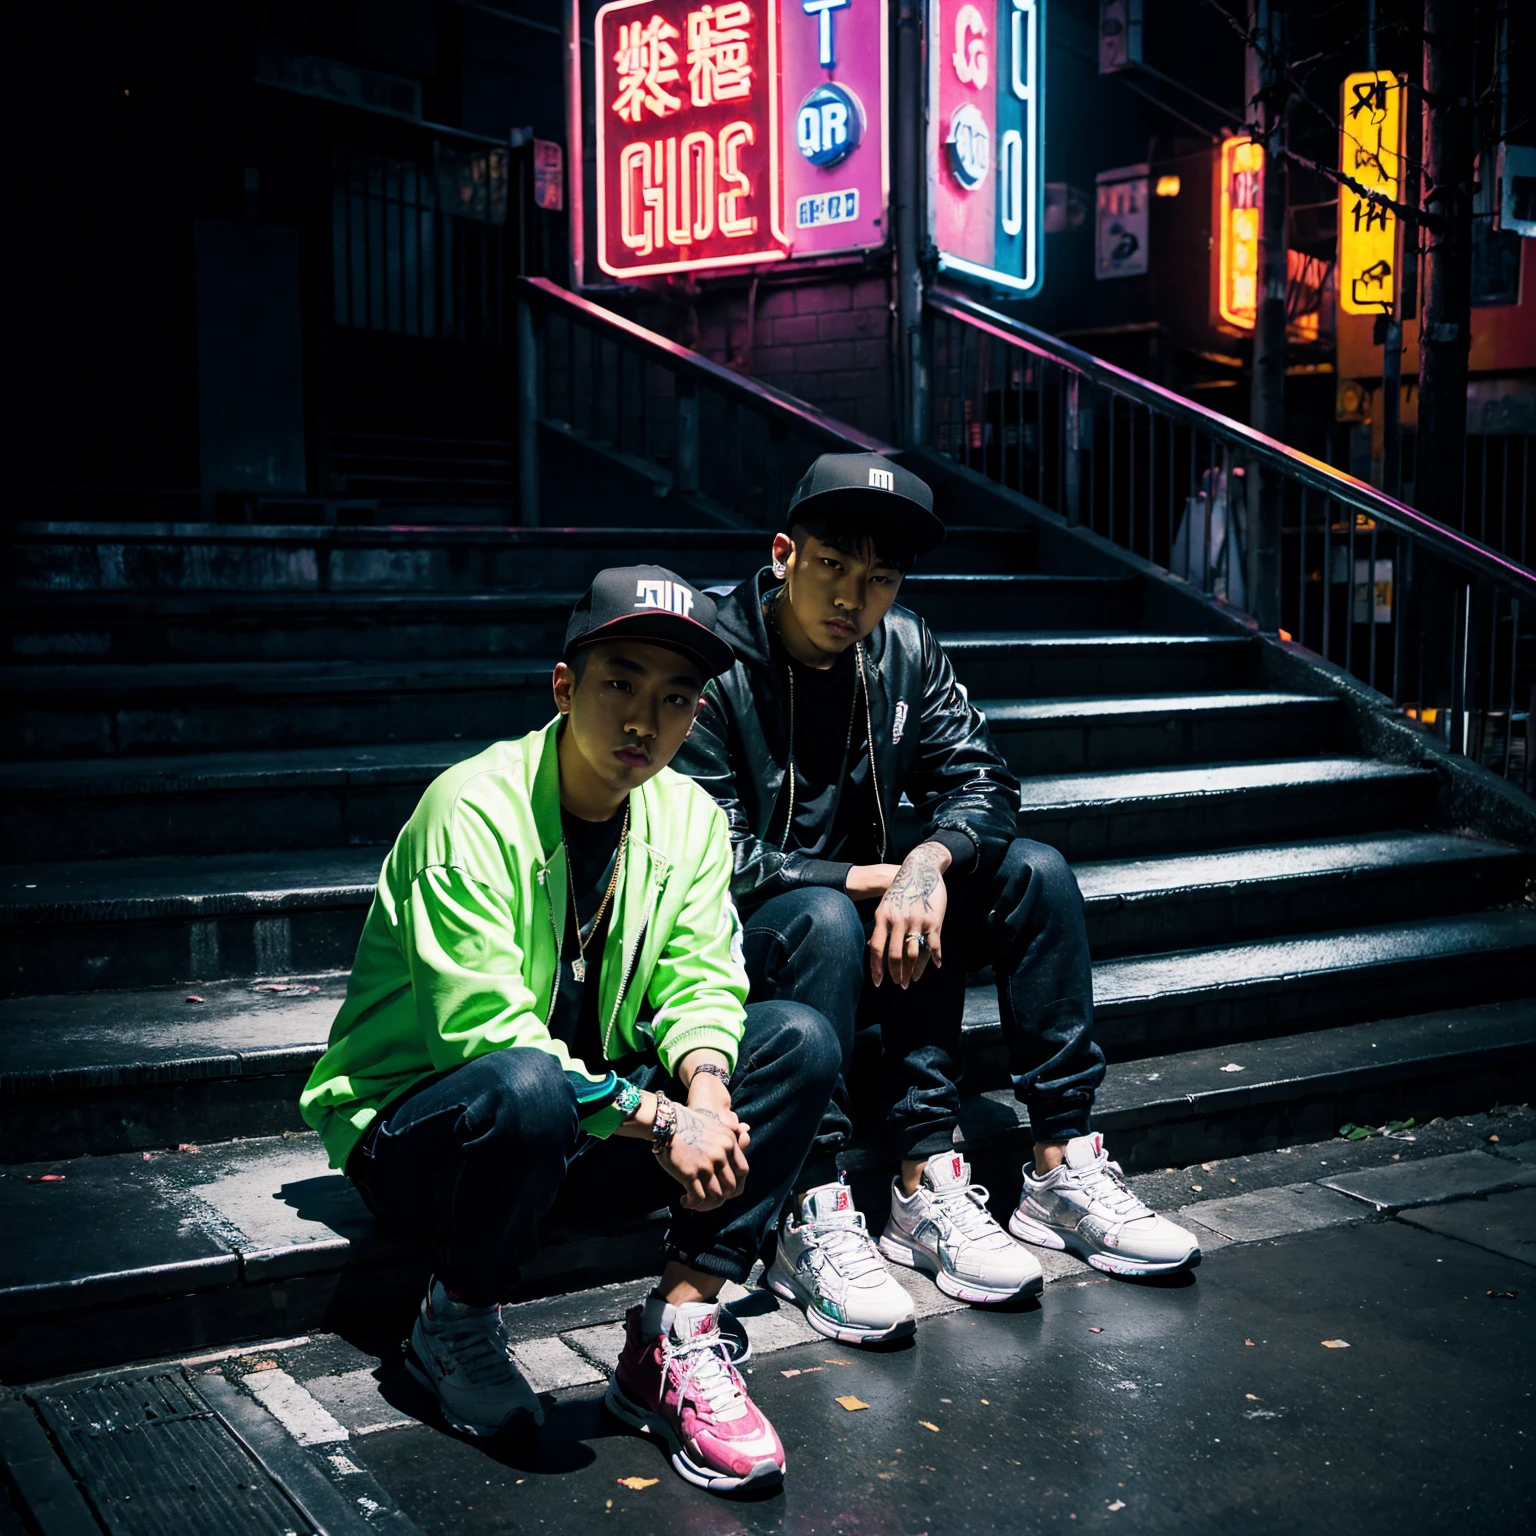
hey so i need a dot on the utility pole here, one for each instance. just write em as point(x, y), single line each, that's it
point(1445, 326)
point(1392, 339)
point(1266, 23)
point(911, 365)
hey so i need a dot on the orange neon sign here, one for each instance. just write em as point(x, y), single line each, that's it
point(1237, 277)
point(688, 170)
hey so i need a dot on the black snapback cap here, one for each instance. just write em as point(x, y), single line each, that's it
point(868, 485)
point(648, 602)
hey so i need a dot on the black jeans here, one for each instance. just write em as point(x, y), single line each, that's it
point(1026, 921)
point(473, 1158)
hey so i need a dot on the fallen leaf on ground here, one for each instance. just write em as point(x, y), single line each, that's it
point(1231, 1066)
point(194, 998)
point(262, 1365)
point(927, 1425)
point(1231, 1181)
point(1335, 1344)
point(851, 1403)
point(1252, 1398)
point(188, 1146)
point(1493, 1138)
point(1249, 1343)
point(985, 1403)
point(1504, 1295)
point(808, 1371)
point(637, 1483)
point(839, 1362)
point(1118, 1504)
point(1208, 1166)
point(1198, 1188)
point(46, 1178)
point(1095, 1330)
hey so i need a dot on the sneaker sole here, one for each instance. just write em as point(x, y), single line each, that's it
point(521, 1420)
point(899, 1251)
point(1028, 1230)
point(842, 1332)
point(646, 1423)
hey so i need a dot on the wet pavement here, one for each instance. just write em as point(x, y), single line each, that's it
point(1214, 1402)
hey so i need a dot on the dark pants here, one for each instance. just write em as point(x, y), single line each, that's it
point(1026, 922)
point(473, 1159)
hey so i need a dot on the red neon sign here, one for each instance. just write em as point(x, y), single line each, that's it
point(688, 170)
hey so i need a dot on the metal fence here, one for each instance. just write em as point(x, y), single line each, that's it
point(732, 448)
point(1443, 625)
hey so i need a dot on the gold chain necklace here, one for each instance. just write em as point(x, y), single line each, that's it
point(579, 964)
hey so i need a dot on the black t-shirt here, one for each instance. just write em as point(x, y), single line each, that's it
point(834, 818)
point(590, 850)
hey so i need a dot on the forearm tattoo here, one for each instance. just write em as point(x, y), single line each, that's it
point(916, 881)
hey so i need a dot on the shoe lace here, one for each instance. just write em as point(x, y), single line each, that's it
point(850, 1248)
point(704, 1369)
point(963, 1209)
point(480, 1347)
point(1105, 1183)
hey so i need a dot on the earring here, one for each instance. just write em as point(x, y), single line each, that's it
point(779, 570)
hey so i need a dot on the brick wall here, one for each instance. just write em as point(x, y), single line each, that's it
point(826, 340)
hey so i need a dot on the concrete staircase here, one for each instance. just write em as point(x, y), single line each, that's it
point(211, 733)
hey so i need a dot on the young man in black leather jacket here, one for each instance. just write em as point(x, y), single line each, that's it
point(841, 703)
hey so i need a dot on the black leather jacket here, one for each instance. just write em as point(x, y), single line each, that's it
point(928, 742)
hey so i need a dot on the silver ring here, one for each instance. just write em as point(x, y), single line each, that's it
point(922, 941)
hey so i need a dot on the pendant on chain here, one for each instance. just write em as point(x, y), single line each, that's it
point(579, 969)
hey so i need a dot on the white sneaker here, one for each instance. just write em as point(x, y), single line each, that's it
point(827, 1264)
point(946, 1230)
point(463, 1357)
point(1086, 1207)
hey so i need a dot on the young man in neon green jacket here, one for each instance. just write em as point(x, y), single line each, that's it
point(548, 1000)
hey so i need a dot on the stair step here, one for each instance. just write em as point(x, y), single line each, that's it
point(217, 803)
point(1038, 736)
point(157, 920)
point(1235, 992)
point(1151, 810)
point(90, 710)
point(1181, 900)
point(254, 1239)
point(1034, 665)
point(1010, 602)
point(203, 627)
point(146, 922)
point(170, 557)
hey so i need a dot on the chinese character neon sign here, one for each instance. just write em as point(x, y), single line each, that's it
point(1237, 279)
point(1370, 153)
point(986, 111)
point(1239, 219)
point(688, 151)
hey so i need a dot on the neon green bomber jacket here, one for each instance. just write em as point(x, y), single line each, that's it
point(459, 954)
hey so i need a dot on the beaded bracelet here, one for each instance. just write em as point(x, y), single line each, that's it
point(665, 1124)
point(714, 1069)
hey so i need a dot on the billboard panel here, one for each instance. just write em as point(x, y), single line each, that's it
point(986, 100)
point(833, 57)
point(688, 135)
point(1370, 153)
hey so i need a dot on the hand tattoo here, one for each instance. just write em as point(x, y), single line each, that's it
point(689, 1131)
point(917, 879)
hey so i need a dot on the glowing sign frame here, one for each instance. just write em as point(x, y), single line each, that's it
point(768, 247)
point(1361, 252)
point(1018, 107)
point(1228, 240)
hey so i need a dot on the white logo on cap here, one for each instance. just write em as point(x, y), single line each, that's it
point(671, 596)
point(883, 479)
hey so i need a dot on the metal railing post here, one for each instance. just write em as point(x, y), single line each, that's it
point(528, 401)
point(685, 471)
point(1074, 507)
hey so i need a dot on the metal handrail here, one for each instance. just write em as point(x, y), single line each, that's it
point(763, 398)
point(1474, 558)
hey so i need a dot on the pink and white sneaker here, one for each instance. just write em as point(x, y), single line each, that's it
point(682, 1386)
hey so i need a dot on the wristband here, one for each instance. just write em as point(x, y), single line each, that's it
point(714, 1070)
point(627, 1100)
point(665, 1124)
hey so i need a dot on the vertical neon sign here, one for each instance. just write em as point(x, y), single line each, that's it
point(986, 114)
point(833, 60)
point(688, 151)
